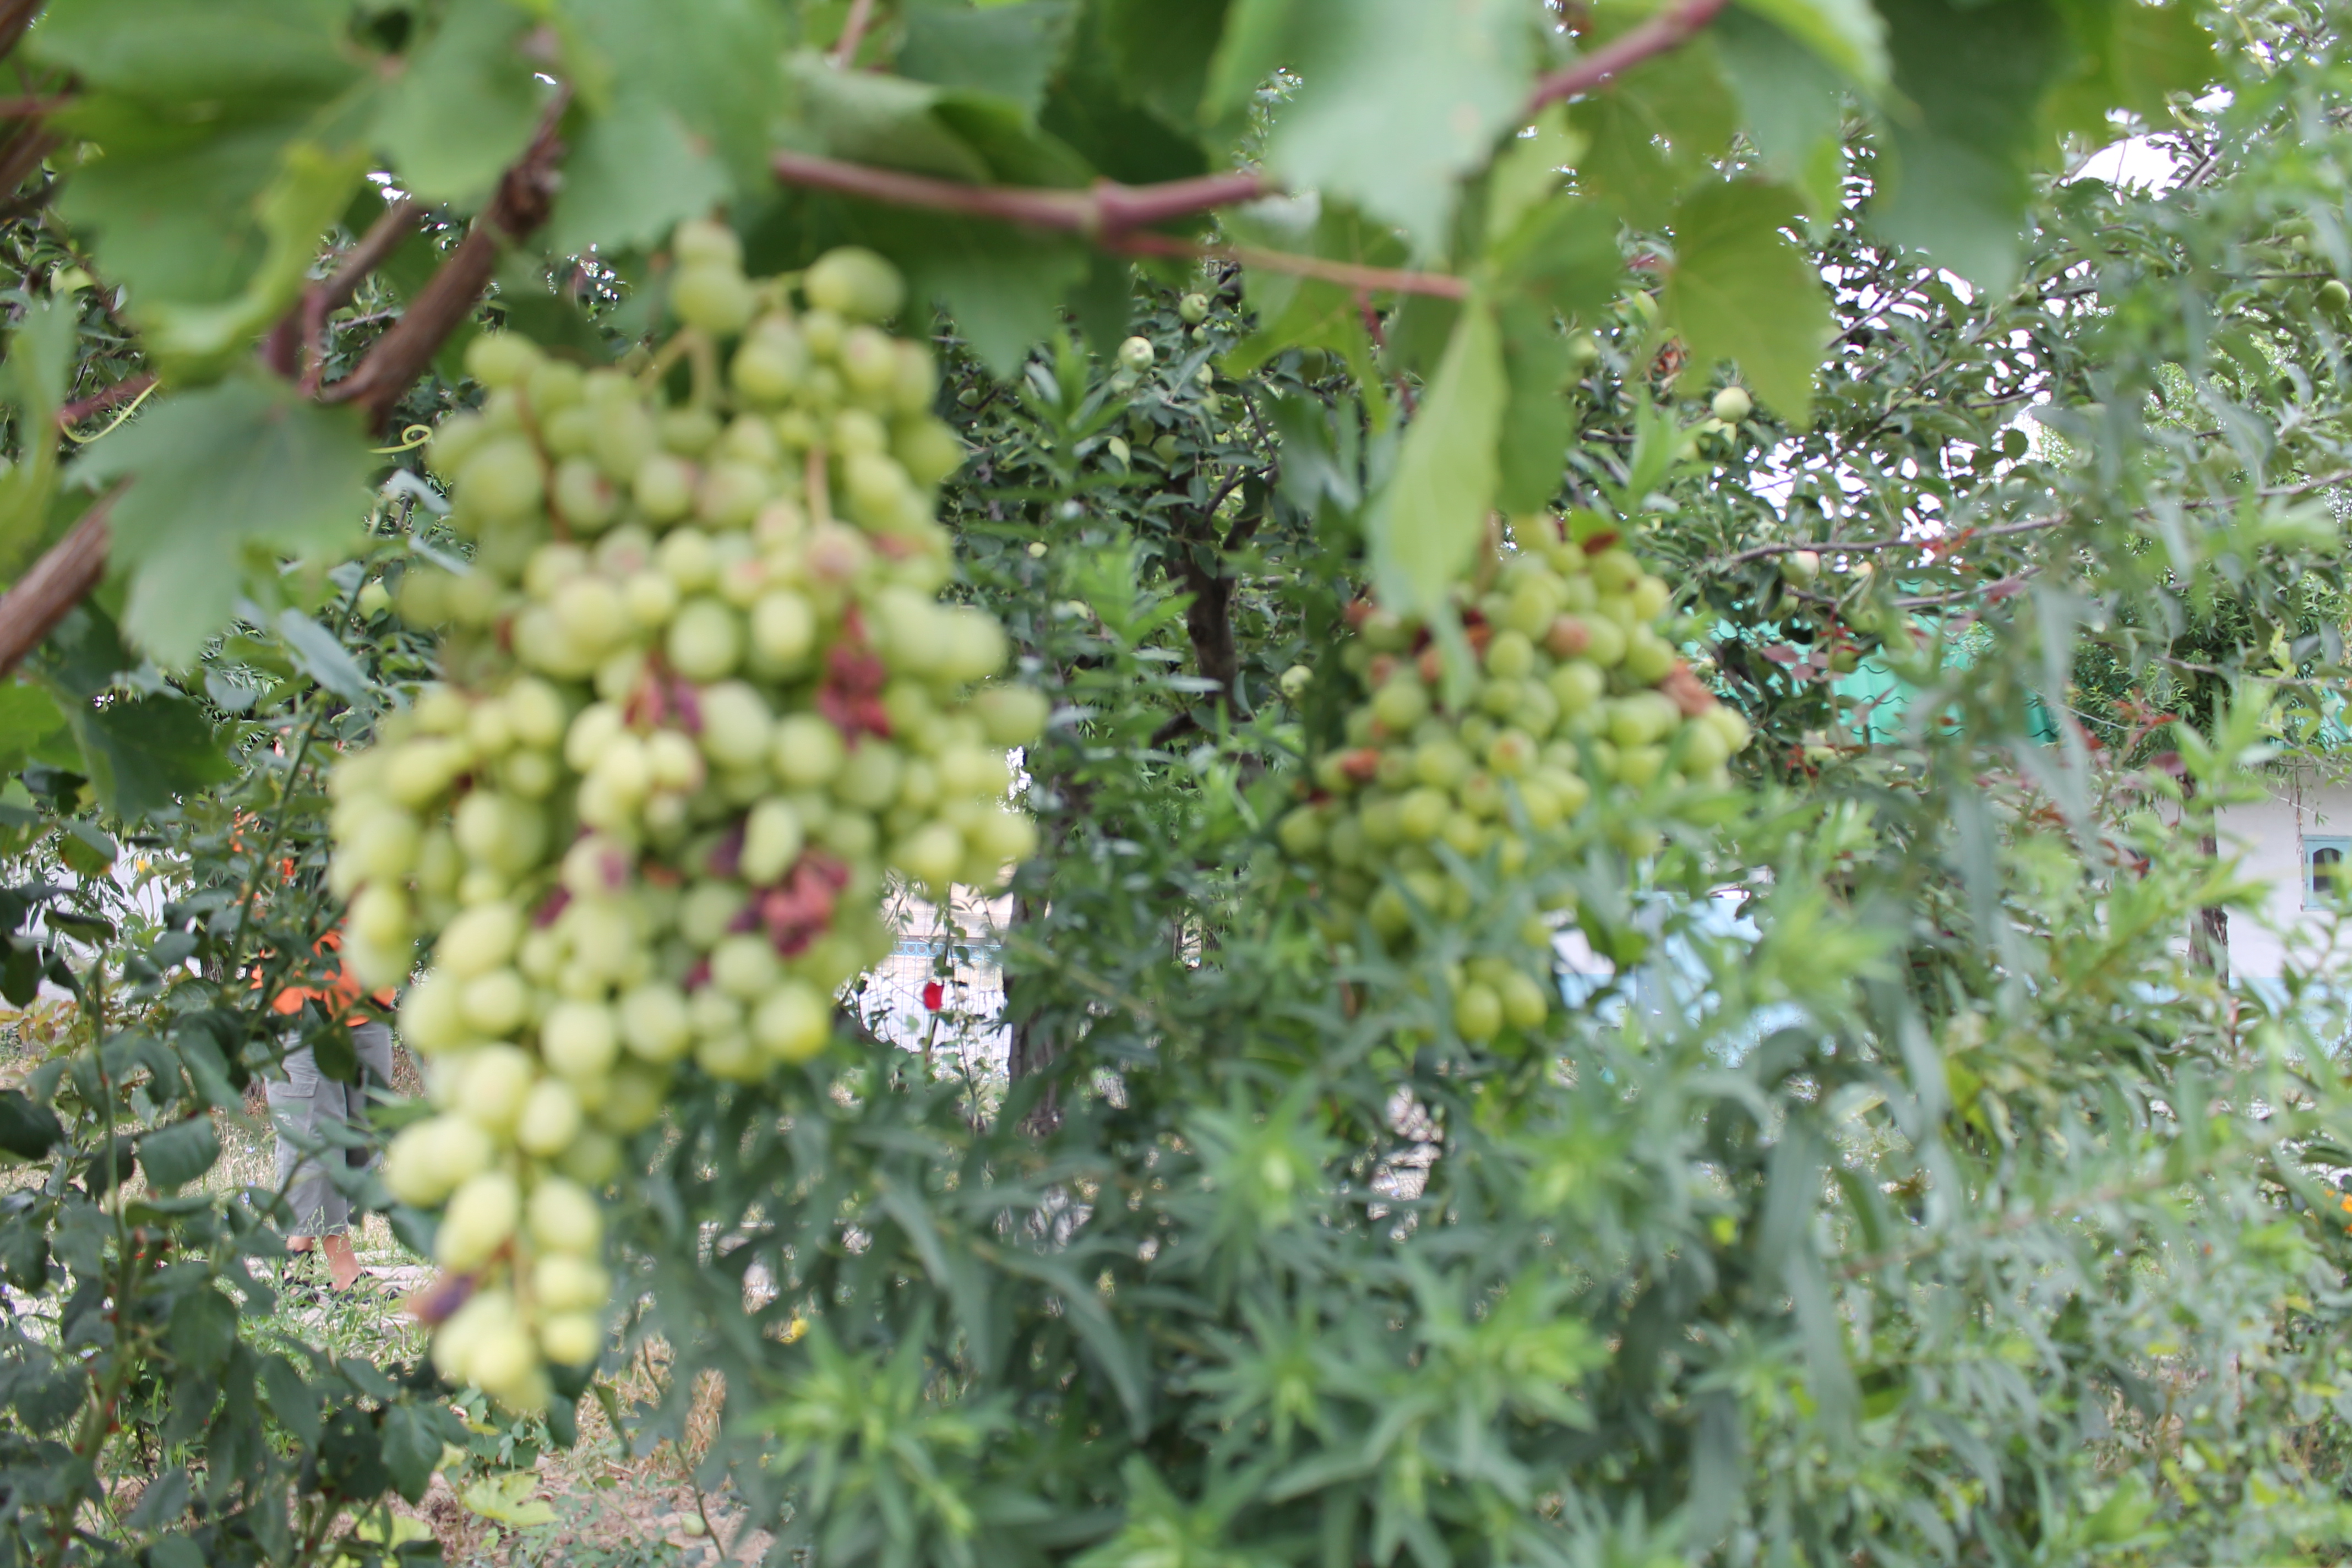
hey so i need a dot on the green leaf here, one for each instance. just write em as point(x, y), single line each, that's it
point(145, 753)
point(28, 715)
point(1960, 169)
point(1009, 50)
point(1655, 130)
point(1250, 51)
point(1792, 104)
point(323, 659)
point(204, 1328)
point(1740, 291)
point(1426, 526)
point(173, 1156)
point(466, 105)
point(633, 173)
point(413, 1438)
point(1563, 253)
point(1003, 286)
point(294, 1402)
point(27, 1130)
point(511, 1499)
point(201, 51)
point(714, 64)
point(2131, 56)
point(38, 367)
point(1536, 418)
point(1529, 169)
point(1397, 100)
point(1847, 34)
point(1295, 311)
point(1160, 51)
point(245, 464)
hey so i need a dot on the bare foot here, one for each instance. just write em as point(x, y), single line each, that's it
point(299, 1244)
point(342, 1263)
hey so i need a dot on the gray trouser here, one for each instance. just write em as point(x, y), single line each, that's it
point(302, 1104)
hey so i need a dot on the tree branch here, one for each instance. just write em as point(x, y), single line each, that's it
point(295, 339)
point(525, 195)
point(60, 580)
point(122, 391)
point(1669, 29)
point(15, 16)
point(1346, 274)
point(1106, 210)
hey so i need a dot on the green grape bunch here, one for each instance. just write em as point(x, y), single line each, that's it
point(1577, 691)
point(701, 700)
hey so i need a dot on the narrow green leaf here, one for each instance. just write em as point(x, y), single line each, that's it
point(326, 661)
point(244, 463)
point(1740, 291)
point(1426, 526)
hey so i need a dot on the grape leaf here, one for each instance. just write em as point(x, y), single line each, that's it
point(28, 715)
point(1009, 50)
point(2130, 56)
point(1292, 310)
point(1249, 50)
point(208, 52)
point(633, 173)
point(1740, 291)
point(465, 106)
point(717, 64)
point(1563, 253)
point(1655, 132)
point(1959, 175)
point(1426, 526)
point(145, 753)
point(1160, 51)
point(247, 463)
point(1847, 34)
point(1791, 106)
point(1536, 420)
point(323, 659)
point(1397, 100)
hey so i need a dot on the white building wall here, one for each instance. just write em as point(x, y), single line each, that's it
point(2270, 835)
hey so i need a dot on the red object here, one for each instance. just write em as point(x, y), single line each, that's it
point(935, 996)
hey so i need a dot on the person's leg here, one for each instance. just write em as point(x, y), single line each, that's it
point(293, 1108)
point(335, 1103)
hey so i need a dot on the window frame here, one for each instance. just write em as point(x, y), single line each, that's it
point(2313, 844)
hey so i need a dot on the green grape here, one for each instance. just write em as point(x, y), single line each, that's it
point(502, 480)
point(480, 1219)
point(713, 296)
point(855, 283)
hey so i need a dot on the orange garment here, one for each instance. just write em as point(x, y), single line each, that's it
point(341, 997)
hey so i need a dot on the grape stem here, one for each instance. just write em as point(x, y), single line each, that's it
point(58, 580)
point(526, 194)
point(1669, 29)
point(292, 347)
point(1111, 215)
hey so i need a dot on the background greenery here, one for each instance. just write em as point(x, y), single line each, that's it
point(1955, 1207)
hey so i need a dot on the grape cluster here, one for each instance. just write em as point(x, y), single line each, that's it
point(1576, 691)
point(693, 717)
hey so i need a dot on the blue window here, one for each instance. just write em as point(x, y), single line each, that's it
point(2325, 877)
